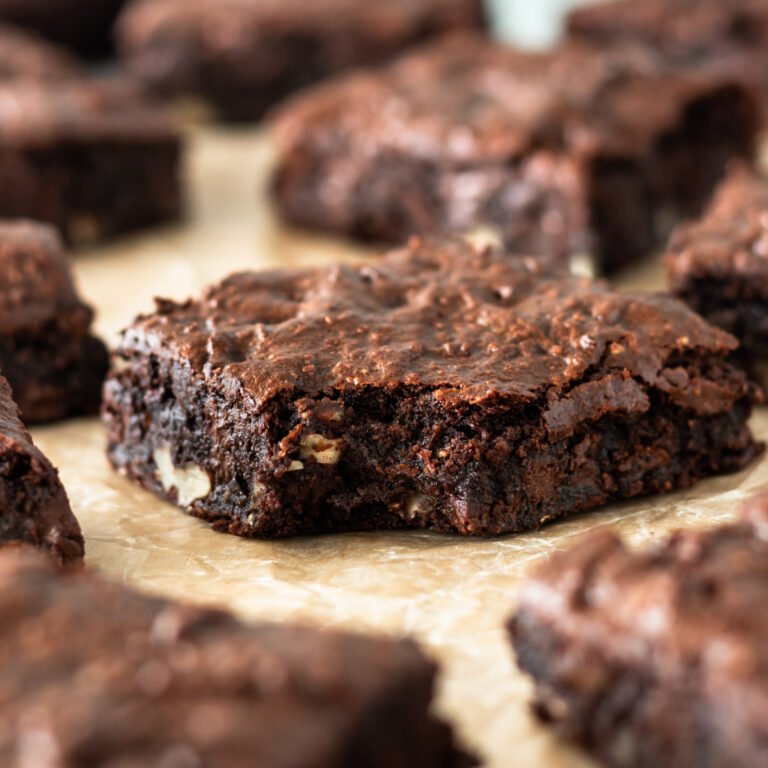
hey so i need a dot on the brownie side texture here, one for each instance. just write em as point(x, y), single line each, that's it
point(570, 150)
point(93, 158)
point(719, 264)
point(27, 56)
point(54, 364)
point(654, 659)
point(34, 508)
point(243, 56)
point(446, 387)
point(84, 25)
point(97, 674)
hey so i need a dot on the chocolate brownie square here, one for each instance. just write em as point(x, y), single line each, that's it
point(96, 674)
point(729, 34)
point(719, 264)
point(85, 25)
point(243, 56)
point(27, 56)
point(54, 364)
point(93, 158)
point(447, 387)
point(34, 508)
point(559, 152)
point(654, 659)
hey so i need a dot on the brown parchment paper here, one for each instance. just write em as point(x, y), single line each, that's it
point(453, 595)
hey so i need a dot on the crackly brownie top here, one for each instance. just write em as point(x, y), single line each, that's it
point(26, 56)
point(689, 603)
point(730, 241)
point(93, 668)
point(228, 24)
point(467, 323)
point(466, 100)
point(34, 507)
point(36, 283)
point(683, 26)
point(38, 113)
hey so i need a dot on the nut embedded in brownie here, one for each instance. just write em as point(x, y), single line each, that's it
point(560, 152)
point(55, 366)
point(157, 683)
point(446, 387)
point(655, 659)
point(243, 57)
point(719, 264)
point(94, 158)
point(34, 508)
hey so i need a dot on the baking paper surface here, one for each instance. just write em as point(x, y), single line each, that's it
point(453, 595)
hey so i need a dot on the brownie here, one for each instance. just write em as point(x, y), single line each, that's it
point(723, 33)
point(447, 387)
point(34, 509)
point(656, 658)
point(54, 364)
point(558, 152)
point(93, 158)
point(243, 56)
point(84, 25)
point(29, 57)
point(96, 674)
point(719, 264)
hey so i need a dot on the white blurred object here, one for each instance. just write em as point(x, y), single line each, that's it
point(530, 23)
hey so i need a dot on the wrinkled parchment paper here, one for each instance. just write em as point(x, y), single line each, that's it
point(453, 595)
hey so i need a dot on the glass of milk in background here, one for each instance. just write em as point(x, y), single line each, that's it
point(530, 23)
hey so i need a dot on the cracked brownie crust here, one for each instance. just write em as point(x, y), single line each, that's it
point(560, 152)
point(719, 264)
point(55, 366)
point(243, 56)
point(445, 387)
point(34, 508)
point(654, 659)
point(96, 674)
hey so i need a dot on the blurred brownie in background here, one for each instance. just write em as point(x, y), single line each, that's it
point(658, 658)
point(84, 25)
point(97, 674)
point(729, 34)
point(25, 55)
point(55, 365)
point(558, 152)
point(243, 56)
point(95, 159)
point(34, 508)
point(719, 264)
